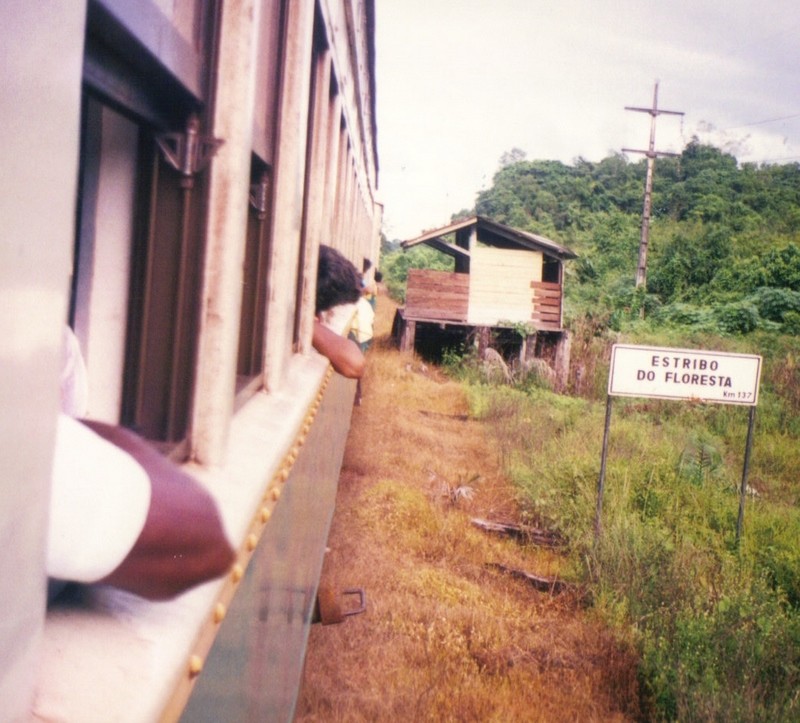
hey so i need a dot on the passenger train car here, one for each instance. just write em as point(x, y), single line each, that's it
point(169, 171)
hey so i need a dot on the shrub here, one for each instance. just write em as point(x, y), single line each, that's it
point(684, 315)
point(735, 658)
point(774, 304)
point(791, 322)
point(737, 318)
point(774, 546)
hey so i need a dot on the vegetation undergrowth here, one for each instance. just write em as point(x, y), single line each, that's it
point(717, 625)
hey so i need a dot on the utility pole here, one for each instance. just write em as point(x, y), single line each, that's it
point(651, 153)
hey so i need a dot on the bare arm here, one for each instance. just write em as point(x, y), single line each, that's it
point(183, 542)
point(344, 354)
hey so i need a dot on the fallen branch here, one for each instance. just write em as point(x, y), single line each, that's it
point(544, 538)
point(545, 584)
point(457, 417)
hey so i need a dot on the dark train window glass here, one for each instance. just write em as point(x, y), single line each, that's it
point(250, 360)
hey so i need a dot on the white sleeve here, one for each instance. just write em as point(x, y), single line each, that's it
point(74, 380)
point(98, 504)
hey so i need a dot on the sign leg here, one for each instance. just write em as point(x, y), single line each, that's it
point(602, 479)
point(743, 490)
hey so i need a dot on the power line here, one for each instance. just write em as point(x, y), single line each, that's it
point(783, 158)
point(763, 122)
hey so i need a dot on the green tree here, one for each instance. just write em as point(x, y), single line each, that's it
point(396, 264)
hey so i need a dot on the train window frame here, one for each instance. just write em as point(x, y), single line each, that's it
point(161, 324)
point(255, 272)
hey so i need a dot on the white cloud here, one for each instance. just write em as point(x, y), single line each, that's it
point(461, 83)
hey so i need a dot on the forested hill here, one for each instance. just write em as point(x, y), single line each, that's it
point(724, 253)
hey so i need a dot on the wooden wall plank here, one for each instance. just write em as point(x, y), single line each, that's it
point(436, 295)
point(546, 300)
point(500, 284)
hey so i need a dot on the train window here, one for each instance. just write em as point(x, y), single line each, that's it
point(165, 280)
point(103, 253)
point(250, 361)
point(137, 275)
point(258, 246)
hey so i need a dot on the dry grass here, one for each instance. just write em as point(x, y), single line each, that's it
point(445, 637)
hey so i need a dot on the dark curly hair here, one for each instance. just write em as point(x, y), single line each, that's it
point(338, 281)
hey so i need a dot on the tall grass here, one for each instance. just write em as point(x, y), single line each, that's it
point(717, 625)
point(447, 636)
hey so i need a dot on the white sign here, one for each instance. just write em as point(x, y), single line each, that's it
point(692, 374)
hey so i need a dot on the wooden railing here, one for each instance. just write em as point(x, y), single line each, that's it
point(546, 314)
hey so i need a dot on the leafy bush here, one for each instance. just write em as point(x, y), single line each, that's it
point(774, 304)
point(733, 658)
point(777, 268)
point(737, 318)
point(684, 315)
point(774, 546)
point(791, 322)
point(461, 362)
point(740, 317)
point(700, 460)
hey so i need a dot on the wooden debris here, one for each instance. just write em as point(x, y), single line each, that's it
point(457, 417)
point(544, 538)
point(546, 584)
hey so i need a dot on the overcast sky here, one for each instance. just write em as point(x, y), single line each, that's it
point(460, 82)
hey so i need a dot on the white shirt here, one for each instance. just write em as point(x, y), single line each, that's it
point(364, 320)
point(99, 502)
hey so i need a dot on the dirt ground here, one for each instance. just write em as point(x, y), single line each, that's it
point(446, 635)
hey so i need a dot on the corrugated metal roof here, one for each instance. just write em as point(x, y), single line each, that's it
point(486, 228)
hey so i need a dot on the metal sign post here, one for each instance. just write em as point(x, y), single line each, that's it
point(601, 482)
point(682, 374)
point(743, 491)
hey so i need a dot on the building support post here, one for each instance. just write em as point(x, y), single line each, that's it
point(483, 340)
point(563, 352)
point(528, 351)
point(407, 335)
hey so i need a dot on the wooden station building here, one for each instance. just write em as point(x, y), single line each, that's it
point(502, 277)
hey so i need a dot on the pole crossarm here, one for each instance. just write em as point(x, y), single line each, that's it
point(651, 153)
point(654, 111)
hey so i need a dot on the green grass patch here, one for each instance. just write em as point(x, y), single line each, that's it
point(717, 625)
